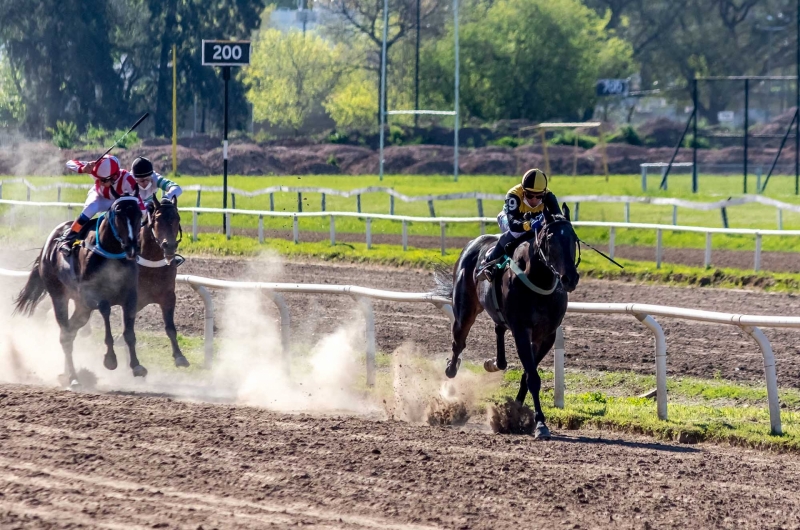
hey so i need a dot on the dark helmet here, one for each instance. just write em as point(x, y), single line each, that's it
point(142, 168)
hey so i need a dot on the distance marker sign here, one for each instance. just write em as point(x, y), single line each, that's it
point(226, 52)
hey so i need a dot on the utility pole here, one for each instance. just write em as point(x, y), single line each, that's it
point(416, 75)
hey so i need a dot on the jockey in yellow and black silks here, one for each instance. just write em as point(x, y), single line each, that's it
point(522, 212)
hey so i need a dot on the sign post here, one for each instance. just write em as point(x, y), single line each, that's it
point(225, 54)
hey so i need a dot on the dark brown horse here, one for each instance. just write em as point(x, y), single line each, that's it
point(100, 274)
point(158, 268)
point(529, 299)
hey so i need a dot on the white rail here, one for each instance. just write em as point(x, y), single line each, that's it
point(750, 324)
point(757, 234)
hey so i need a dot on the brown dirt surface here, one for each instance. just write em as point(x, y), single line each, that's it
point(598, 342)
point(73, 460)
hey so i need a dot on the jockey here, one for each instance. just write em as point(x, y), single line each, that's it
point(522, 212)
point(110, 182)
point(150, 182)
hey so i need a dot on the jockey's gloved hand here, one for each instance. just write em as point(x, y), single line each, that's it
point(528, 216)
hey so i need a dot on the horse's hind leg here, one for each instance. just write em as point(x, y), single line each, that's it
point(129, 320)
point(499, 362)
point(523, 388)
point(465, 310)
point(168, 313)
point(69, 328)
point(110, 359)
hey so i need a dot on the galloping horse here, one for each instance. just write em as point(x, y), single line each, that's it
point(529, 299)
point(157, 271)
point(100, 274)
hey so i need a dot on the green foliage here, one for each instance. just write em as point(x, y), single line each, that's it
point(626, 135)
point(337, 138)
point(354, 102)
point(531, 59)
point(98, 138)
point(12, 108)
point(290, 74)
point(568, 138)
point(701, 142)
point(65, 134)
point(507, 141)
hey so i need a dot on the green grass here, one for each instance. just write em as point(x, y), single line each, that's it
point(712, 188)
point(699, 409)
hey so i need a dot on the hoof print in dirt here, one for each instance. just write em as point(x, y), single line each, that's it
point(511, 418)
point(441, 412)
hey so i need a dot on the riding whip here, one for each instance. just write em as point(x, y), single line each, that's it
point(140, 120)
point(601, 253)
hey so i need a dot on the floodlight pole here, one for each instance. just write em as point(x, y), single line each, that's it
point(458, 72)
point(694, 137)
point(383, 80)
point(746, 126)
point(797, 103)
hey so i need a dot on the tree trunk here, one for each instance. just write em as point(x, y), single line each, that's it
point(162, 117)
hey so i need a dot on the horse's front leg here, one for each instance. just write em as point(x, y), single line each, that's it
point(527, 355)
point(110, 359)
point(69, 328)
point(168, 314)
point(495, 365)
point(129, 320)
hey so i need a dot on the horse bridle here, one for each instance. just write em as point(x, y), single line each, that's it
point(151, 223)
point(542, 236)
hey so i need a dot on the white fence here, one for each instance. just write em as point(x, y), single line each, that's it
point(625, 200)
point(642, 312)
point(443, 221)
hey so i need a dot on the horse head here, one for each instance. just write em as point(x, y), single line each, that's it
point(165, 224)
point(123, 216)
point(559, 245)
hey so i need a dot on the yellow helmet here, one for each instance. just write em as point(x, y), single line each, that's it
point(534, 180)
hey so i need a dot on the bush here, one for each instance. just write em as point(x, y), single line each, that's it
point(337, 138)
point(626, 135)
point(568, 138)
point(98, 137)
point(65, 135)
point(506, 141)
point(702, 143)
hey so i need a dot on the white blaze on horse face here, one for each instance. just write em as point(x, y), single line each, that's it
point(130, 230)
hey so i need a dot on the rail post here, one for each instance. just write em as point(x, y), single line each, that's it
point(612, 239)
point(369, 320)
point(271, 202)
point(208, 331)
point(661, 363)
point(405, 235)
point(333, 231)
point(358, 203)
point(369, 233)
point(757, 260)
point(480, 207)
point(323, 202)
point(299, 202)
point(194, 226)
point(58, 196)
point(644, 177)
point(260, 229)
point(577, 216)
point(430, 209)
point(1, 190)
point(627, 212)
point(286, 325)
point(197, 201)
point(659, 241)
point(780, 219)
point(233, 201)
point(674, 215)
point(442, 228)
point(707, 258)
point(558, 369)
point(295, 230)
point(391, 204)
point(770, 375)
point(228, 229)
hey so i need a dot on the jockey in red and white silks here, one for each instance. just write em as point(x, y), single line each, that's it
point(110, 182)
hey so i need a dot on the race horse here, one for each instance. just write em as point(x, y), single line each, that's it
point(529, 298)
point(99, 274)
point(161, 233)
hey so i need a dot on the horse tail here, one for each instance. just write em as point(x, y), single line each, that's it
point(33, 292)
point(443, 276)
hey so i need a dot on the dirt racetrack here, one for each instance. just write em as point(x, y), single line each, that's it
point(602, 342)
point(72, 460)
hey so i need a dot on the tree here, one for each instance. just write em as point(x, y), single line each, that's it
point(290, 75)
point(12, 109)
point(531, 59)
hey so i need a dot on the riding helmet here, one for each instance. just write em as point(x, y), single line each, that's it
point(142, 167)
point(108, 166)
point(534, 180)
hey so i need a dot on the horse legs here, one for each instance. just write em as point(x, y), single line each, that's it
point(499, 363)
point(128, 333)
point(168, 314)
point(110, 359)
point(465, 311)
point(527, 355)
point(69, 328)
point(547, 343)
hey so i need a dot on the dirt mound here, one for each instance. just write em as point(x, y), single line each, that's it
point(661, 132)
point(777, 125)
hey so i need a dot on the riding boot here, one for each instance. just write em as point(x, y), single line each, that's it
point(67, 241)
point(487, 268)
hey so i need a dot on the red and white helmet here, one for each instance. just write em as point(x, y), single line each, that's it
point(108, 166)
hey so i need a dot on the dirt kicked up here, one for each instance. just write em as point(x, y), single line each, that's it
point(73, 460)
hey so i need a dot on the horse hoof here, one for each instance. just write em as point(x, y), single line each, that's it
point(74, 385)
point(541, 432)
point(181, 362)
point(139, 371)
point(501, 365)
point(452, 369)
point(110, 361)
point(490, 365)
